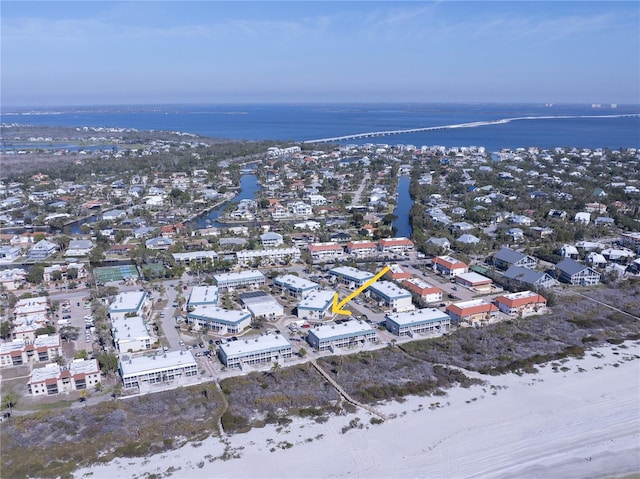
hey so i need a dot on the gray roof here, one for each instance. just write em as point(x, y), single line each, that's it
point(509, 256)
point(524, 275)
point(570, 266)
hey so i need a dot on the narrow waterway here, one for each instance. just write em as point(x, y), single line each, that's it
point(403, 207)
point(248, 188)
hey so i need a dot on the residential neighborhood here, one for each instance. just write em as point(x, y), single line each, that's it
point(136, 281)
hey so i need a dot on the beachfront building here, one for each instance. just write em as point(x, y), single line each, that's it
point(316, 306)
point(294, 286)
point(203, 295)
point(474, 281)
point(350, 277)
point(362, 248)
point(449, 266)
point(507, 257)
point(398, 245)
point(223, 321)
point(258, 350)
point(267, 256)
point(472, 311)
point(52, 379)
point(524, 302)
point(427, 320)
point(529, 278)
point(130, 334)
point(390, 296)
point(577, 274)
point(427, 292)
point(325, 251)
point(195, 257)
point(159, 368)
point(261, 305)
point(252, 278)
point(348, 334)
point(130, 303)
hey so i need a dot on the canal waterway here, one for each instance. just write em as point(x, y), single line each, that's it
point(248, 188)
point(403, 206)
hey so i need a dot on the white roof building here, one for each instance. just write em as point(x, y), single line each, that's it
point(266, 256)
point(316, 306)
point(201, 295)
point(347, 334)
point(236, 280)
point(130, 302)
point(195, 256)
point(256, 350)
point(130, 334)
point(427, 320)
point(295, 285)
point(351, 277)
point(159, 368)
point(219, 319)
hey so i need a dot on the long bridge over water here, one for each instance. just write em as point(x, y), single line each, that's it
point(472, 124)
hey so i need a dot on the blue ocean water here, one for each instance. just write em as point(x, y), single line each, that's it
point(550, 126)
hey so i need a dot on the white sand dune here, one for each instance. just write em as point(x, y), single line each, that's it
point(583, 422)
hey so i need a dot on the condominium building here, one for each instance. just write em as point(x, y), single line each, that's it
point(52, 379)
point(390, 296)
point(325, 251)
point(316, 306)
point(523, 302)
point(158, 368)
point(362, 248)
point(472, 311)
point(350, 277)
point(201, 295)
point(427, 291)
point(130, 334)
point(268, 256)
point(449, 266)
point(294, 286)
point(257, 350)
point(219, 319)
point(131, 303)
point(395, 245)
point(43, 349)
point(197, 257)
point(427, 320)
point(251, 278)
point(348, 334)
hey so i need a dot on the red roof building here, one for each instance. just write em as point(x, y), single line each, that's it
point(472, 311)
point(395, 245)
point(325, 250)
point(449, 266)
point(520, 303)
point(426, 291)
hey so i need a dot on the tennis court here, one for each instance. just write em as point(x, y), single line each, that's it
point(115, 273)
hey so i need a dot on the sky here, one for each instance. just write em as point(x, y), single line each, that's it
point(150, 52)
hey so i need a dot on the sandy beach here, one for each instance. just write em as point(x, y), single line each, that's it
point(577, 419)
